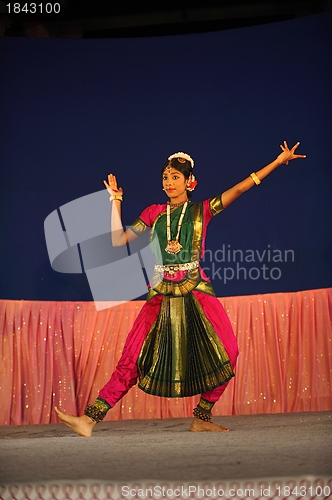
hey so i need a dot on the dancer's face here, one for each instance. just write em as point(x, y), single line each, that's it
point(174, 184)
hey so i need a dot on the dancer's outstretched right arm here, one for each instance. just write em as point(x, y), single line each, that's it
point(118, 235)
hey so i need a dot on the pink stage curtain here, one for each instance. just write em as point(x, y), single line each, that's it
point(62, 353)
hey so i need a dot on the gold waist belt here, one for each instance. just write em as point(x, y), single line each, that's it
point(187, 266)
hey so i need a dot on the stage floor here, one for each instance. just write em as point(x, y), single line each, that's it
point(258, 446)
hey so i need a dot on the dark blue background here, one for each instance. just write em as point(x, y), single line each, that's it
point(74, 110)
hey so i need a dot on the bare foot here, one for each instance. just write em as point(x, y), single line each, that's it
point(199, 425)
point(83, 426)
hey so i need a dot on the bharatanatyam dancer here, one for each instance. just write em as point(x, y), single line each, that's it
point(182, 342)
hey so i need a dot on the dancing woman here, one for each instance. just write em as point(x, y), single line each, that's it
point(181, 343)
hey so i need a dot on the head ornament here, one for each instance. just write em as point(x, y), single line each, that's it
point(183, 156)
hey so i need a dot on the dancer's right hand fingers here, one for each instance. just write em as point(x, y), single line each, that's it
point(112, 185)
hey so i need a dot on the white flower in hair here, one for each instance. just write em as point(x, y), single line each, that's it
point(182, 155)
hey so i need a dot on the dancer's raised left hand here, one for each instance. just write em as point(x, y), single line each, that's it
point(288, 154)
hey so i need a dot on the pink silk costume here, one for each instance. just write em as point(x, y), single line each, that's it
point(182, 342)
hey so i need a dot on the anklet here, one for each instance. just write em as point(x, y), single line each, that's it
point(202, 415)
point(203, 410)
point(97, 411)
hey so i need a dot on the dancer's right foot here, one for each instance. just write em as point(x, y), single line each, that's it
point(198, 425)
point(83, 426)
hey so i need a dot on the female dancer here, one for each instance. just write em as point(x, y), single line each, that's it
point(182, 342)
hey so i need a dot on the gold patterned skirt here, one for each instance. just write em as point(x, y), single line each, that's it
point(182, 354)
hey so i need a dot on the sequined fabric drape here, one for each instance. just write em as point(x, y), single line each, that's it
point(62, 353)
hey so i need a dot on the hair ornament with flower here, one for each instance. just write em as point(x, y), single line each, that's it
point(183, 156)
point(192, 183)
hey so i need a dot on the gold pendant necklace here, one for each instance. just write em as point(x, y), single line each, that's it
point(173, 246)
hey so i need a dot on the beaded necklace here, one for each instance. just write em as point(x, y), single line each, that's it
point(175, 205)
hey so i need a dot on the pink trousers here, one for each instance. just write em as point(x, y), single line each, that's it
point(126, 372)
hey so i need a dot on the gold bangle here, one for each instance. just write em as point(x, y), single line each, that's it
point(255, 178)
point(116, 197)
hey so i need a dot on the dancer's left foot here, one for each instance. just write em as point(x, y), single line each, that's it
point(83, 426)
point(199, 425)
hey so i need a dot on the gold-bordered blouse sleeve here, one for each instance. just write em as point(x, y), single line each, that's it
point(144, 222)
point(139, 227)
point(216, 205)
